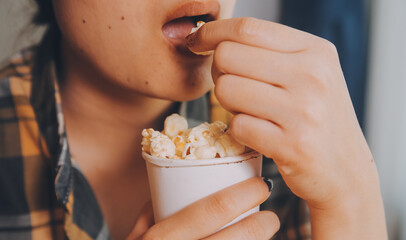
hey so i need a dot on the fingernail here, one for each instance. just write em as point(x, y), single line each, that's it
point(268, 182)
point(190, 39)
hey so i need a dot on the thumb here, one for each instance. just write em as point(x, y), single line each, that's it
point(144, 221)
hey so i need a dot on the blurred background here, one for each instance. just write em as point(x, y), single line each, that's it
point(370, 36)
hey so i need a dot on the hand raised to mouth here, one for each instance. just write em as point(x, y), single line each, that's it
point(292, 105)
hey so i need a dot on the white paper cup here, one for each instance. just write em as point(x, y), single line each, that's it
point(176, 183)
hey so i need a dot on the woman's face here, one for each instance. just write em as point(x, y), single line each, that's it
point(139, 44)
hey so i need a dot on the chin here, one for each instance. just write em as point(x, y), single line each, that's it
point(139, 46)
point(184, 87)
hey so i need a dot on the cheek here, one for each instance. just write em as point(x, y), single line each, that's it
point(124, 44)
point(227, 8)
point(107, 35)
point(176, 82)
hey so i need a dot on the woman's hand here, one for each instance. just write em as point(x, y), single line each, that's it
point(291, 102)
point(204, 217)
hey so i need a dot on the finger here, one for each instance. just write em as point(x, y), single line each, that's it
point(278, 69)
point(260, 225)
point(258, 134)
point(209, 214)
point(249, 31)
point(215, 72)
point(144, 221)
point(242, 95)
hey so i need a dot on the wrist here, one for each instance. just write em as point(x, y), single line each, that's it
point(357, 214)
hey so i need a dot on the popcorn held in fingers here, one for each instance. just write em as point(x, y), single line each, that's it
point(176, 141)
point(199, 24)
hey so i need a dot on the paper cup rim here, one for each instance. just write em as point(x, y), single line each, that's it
point(164, 162)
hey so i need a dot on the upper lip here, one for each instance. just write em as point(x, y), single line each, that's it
point(211, 8)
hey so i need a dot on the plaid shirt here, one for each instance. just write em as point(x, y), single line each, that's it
point(43, 193)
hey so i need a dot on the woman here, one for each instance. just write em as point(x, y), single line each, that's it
point(118, 69)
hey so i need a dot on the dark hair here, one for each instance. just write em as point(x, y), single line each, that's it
point(45, 14)
point(44, 72)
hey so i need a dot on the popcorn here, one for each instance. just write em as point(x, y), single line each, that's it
point(199, 136)
point(187, 152)
point(162, 146)
point(146, 140)
point(217, 128)
point(205, 152)
point(175, 125)
point(199, 24)
point(205, 141)
point(220, 149)
point(227, 146)
point(180, 144)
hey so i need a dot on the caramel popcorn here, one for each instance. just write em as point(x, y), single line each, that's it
point(176, 141)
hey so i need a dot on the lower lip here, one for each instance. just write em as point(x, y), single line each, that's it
point(176, 31)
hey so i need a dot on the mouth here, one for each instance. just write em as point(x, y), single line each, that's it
point(181, 21)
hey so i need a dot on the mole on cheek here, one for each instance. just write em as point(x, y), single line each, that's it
point(109, 27)
point(83, 21)
point(146, 82)
point(122, 18)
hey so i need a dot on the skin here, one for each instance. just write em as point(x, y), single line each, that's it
point(292, 104)
point(285, 86)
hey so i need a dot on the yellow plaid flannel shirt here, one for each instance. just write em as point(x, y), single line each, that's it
point(43, 195)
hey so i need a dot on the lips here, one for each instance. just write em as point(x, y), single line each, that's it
point(177, 29)
point(182, 19)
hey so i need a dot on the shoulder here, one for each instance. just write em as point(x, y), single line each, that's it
point(18, 126)
point(15, 74)
point(26, 183)
point(15, 87)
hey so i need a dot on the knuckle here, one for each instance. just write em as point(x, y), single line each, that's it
point(316, 69)
point(221, 84)
point(328, 49)
point(222, 55)
point(152, 234)
point(308, 113)
point(329, 46)
point(259, 188)
point(288, 168)
point(247, 27)
point(236, 126)
point(316, 75)
point(311, 112)
point(220, 205)
point(272, 219)
point(321, 64)
point(215, 73)
point(253, 228)
point(302, 144)
point(222, 91)
point(148, 236)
